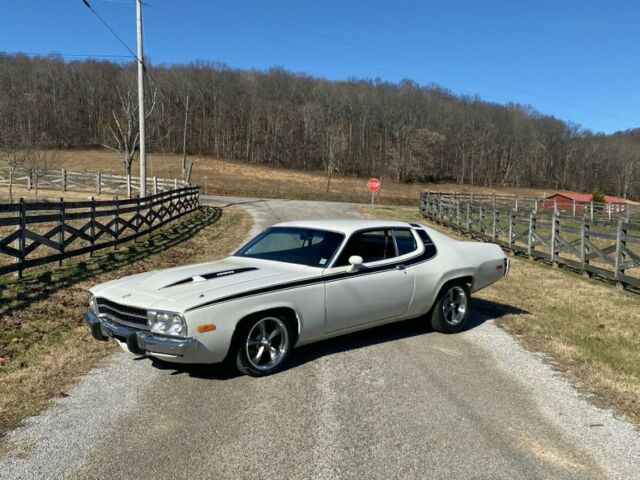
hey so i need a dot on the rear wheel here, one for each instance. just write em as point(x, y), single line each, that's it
point(451, 311)
point(264, 346)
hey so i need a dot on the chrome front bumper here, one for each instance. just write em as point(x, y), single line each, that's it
point(139, 341)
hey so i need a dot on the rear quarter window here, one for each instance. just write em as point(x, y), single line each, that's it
point(429, 247)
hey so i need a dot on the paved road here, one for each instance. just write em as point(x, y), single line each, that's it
point(393, 402)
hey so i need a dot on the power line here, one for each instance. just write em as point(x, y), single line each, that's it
point(416, 62)
point(86, 2)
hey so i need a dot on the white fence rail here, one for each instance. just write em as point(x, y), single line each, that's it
point(98, 183)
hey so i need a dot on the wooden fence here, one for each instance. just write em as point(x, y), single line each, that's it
point(590, 210)
point(36, 233)
point(586, 243)
point(98, 183)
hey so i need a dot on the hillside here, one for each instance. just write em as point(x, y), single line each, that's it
point(225, 177)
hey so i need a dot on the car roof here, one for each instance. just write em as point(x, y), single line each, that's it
point(346, 225)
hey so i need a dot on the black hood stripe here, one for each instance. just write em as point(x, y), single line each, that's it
point(209, 276)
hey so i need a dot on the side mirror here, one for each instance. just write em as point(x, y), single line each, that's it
point(355, 261)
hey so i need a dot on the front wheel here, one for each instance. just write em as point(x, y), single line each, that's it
point(451, 311)
point(265, 344)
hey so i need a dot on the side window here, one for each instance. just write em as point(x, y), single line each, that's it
point(371, 246)
point(429, 248)
point(405, 241)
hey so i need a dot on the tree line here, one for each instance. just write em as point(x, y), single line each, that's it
point(406, 131)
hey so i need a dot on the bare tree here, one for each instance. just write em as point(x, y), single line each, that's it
point(124, 125)
point(41, 162)
point(336, 149)
point(14, 160)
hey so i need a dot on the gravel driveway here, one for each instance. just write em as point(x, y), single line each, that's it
point(392, 402)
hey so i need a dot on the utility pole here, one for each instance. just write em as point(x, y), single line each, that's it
point(184, 140)
point(143, 147)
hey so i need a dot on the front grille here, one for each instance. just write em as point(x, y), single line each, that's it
point(122, 313)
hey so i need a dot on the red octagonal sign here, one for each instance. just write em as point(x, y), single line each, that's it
point(373, 184)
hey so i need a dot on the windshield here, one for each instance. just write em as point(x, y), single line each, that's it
point(303, 246)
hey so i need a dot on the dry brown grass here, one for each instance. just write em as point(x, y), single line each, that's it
point(240, 179)
point(589, 330)
point(44, 346)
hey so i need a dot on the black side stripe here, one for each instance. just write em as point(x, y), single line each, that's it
point(428, 253)
point(209, 276)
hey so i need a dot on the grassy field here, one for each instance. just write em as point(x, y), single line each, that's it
point(44, 345)
point(224, 177)
point(588, 329)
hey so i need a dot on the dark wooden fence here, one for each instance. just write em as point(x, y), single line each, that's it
point(607, 248)
point(36, 233)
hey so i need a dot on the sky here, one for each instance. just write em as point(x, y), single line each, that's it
point(575, 60)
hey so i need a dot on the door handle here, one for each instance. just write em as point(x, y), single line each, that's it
point(400, 267)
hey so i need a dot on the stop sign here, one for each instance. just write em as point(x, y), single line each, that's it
point(373, 184)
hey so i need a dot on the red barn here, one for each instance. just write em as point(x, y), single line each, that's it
point(564, 201)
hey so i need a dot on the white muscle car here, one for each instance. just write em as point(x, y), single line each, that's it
point(295, 283)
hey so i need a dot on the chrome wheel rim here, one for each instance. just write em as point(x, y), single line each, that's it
point(267, 343)
point(454, 306)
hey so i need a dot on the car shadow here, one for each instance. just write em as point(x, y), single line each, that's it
point(481, 311)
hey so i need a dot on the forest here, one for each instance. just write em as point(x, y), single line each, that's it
point(404, 131)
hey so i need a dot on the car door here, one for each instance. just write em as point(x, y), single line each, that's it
point(381, 288)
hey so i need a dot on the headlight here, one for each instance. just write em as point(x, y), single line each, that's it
point(167, 323)
point(93, 304)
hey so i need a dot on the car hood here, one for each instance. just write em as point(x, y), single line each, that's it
point(183, 287)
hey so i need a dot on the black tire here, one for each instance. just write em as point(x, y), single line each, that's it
point(450, 313)
point(275, 340)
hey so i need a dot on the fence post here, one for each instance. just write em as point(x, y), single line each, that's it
point(495, 221)
point(516, 204)
point(554, 234)
point(468, 214)
point(609, 211)
point(535, 205)
point(22, 240)
point(61, 232)
point(128, 186)
point(591, 209)
point(619, 254)
point(137, 216)
point(586, 239)
point(155, 185)
point(573, 206)
point(63, 180)
point(175, 183)
point(530, 238)
point(511, 217)
point(117, 223)
point(29, 180)
point(481, 221)
point(92, 226)
point(150, 214)
point(555, 207)
point(98, 183)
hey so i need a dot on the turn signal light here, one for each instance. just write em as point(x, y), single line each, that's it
point(207, 327)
